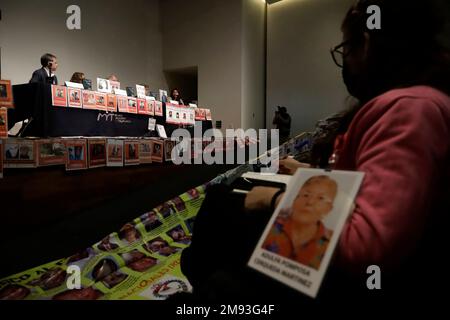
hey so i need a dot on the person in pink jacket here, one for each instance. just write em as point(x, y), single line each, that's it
point(398, 134)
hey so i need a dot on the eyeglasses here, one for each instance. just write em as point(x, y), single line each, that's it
point(338, 54)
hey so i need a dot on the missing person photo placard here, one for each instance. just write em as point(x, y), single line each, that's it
point(300, 238)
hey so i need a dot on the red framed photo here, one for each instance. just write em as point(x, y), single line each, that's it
point(75, 98)
point(200, 114)
point(132, 105)
point(51, 152)
point(76, 154)
point(122, 104)
point(19, 153)
point(151, 107)
point(157, 151)
point(159, 109)
point(89, 100)
point(143, 107)
point(59, 96)
point(100, 101)
point(145, 151)
point(114, 153)
point(111, 103)
point(97, 153)
point(131, 152)
point(3, 123)
point(6, 96)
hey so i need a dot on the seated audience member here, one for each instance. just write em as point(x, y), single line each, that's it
point(397, 134)
point(47, 73)
point(77, 77)
point(113, 77)
point(282, 122)
point(175, 96)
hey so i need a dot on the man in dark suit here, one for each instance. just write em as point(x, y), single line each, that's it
point(47, 73)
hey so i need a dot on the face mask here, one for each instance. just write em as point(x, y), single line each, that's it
point(352, 82)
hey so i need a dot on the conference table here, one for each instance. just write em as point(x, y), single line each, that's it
point(34, 101)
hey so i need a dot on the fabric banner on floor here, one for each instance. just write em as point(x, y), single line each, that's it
point(141, 261)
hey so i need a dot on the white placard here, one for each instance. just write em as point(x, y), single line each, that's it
point(74, 85)
point(120, 92)
point(140, 91)
point(315, 200)
point(162, 94)
point(174, 102)
point(103, 85)
point(192, 105)
point(161, 131)
point(150, 98)
point(151, 124)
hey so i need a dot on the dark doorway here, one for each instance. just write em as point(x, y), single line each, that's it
point(186, 81)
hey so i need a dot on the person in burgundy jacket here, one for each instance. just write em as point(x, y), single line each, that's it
point(398, 134)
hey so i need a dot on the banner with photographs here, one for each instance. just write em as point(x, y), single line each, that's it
point(104, 100)
point(139, 262)
point(176, 114)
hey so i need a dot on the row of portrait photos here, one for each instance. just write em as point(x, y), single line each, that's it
point(93, 100)
point(89, 153)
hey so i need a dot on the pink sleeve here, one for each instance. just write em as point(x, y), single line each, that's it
point(401, 154)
